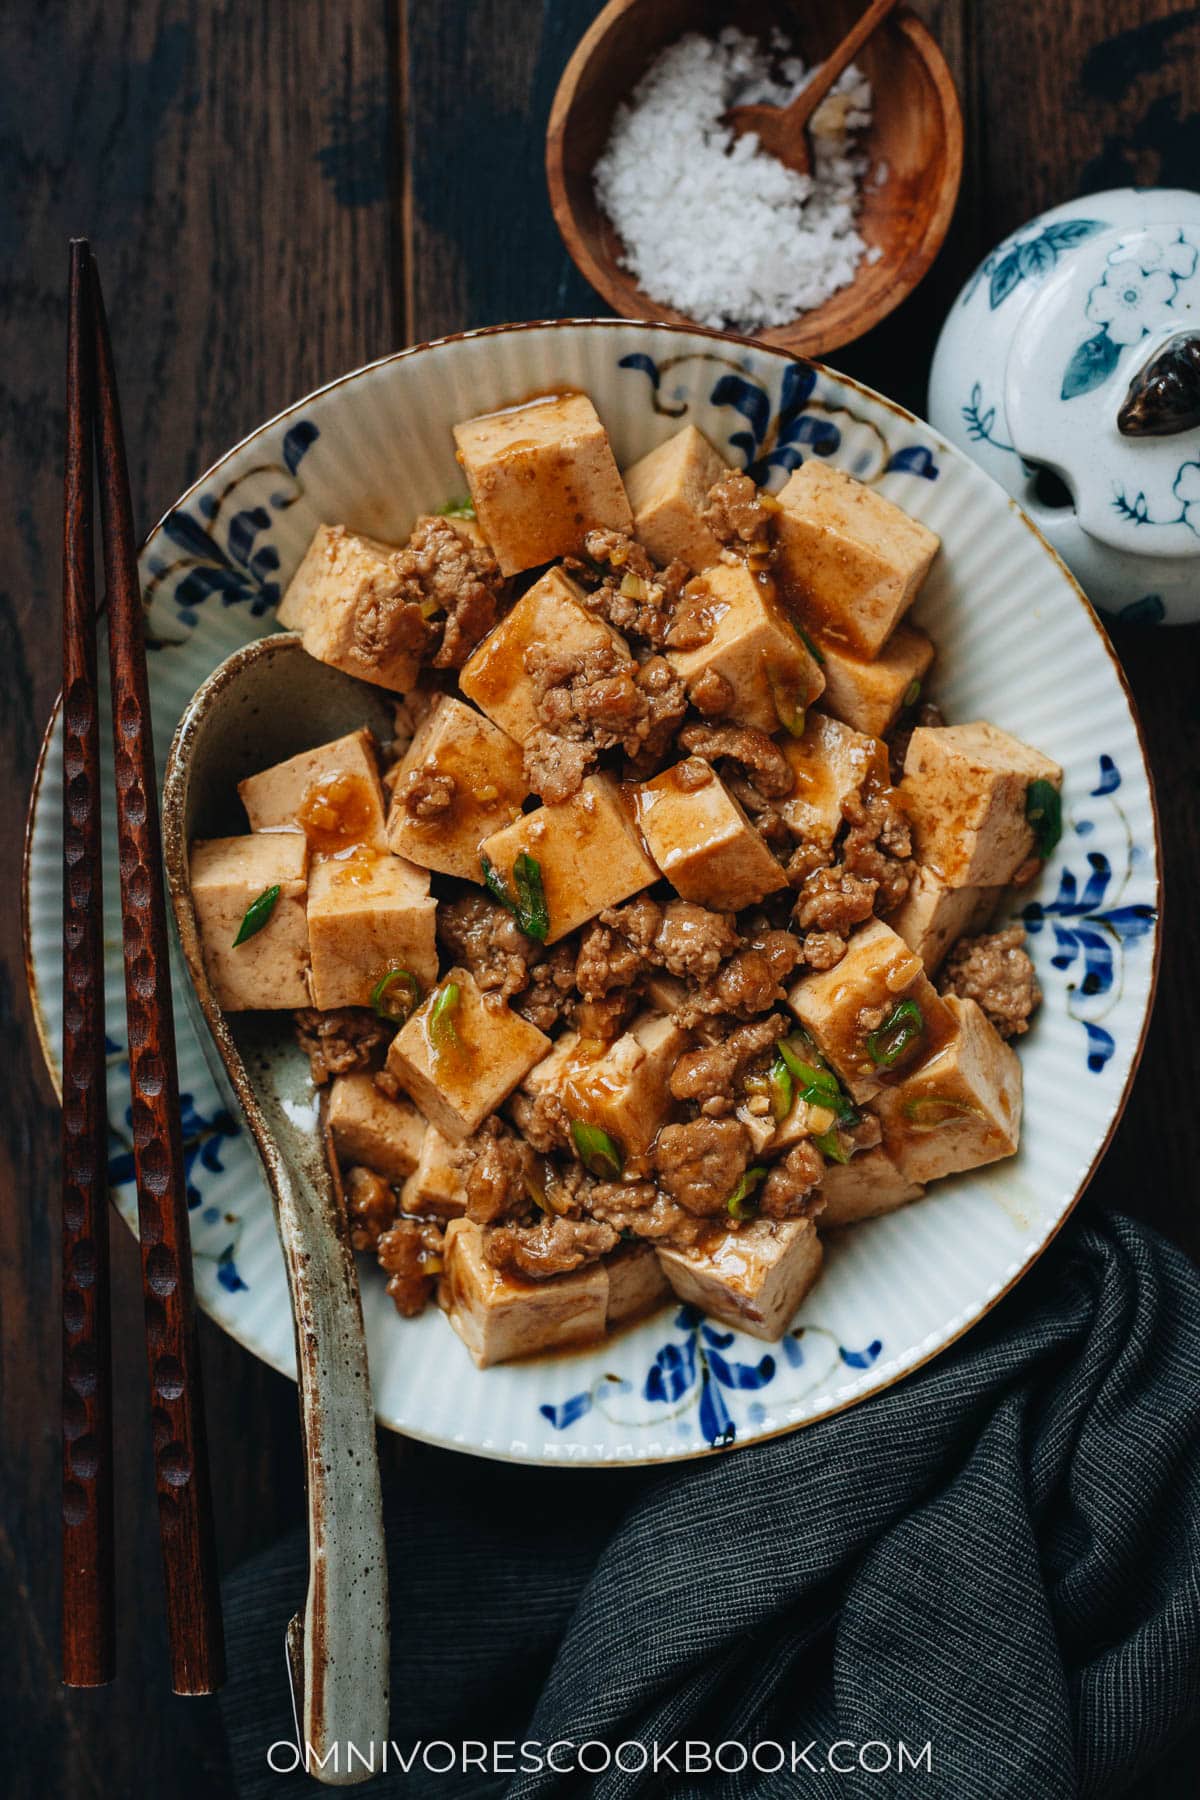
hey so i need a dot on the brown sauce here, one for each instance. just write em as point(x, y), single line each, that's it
point(337, 811)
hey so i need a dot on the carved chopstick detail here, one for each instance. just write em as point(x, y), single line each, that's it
point(177, 1411)
point(87, 1490)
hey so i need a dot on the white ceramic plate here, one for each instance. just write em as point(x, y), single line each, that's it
point(1017, 645)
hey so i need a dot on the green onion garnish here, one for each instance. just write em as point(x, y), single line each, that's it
point(529, 909)
point(493, 881)
point(396, 995)
point(814, 650)
point(735, 1205)
point(928, 1111)
point(600, 1154)
point(1043, 810)
point(457, 509)
point(898, 1033)
point(830, 1144)
point(912, 693)
point(532, 913)
point(818, 1086)
point(788, 710)
point(780, 1088)
point(442, 1028)
point(257, 914)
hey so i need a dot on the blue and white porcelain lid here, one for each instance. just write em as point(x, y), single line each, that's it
point(1033, 370)
point(1084, 384)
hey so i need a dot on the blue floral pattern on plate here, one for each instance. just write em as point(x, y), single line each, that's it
point(696, 1373)
point(805, 423)
point(1092, 927)
point(243, 569)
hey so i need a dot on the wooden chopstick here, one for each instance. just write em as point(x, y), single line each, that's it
point(196, 1642)
point(87, 1494)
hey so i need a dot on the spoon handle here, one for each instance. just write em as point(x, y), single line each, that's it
point(339, 1646)
point(841, 58)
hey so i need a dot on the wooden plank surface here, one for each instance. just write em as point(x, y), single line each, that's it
point(277, 193)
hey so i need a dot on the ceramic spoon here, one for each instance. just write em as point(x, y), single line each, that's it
point(783, 130)
point(266, 702)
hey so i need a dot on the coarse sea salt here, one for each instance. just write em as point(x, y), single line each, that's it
point(711, 224)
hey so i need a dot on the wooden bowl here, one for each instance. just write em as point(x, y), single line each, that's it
point(916, 132)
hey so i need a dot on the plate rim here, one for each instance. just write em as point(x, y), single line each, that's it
point(901, 412)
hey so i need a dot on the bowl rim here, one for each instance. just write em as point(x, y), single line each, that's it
point(802, 335)
point(901, 412)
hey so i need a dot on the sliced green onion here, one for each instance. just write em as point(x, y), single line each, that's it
point(928, 1111)
point(633, 587)
point(442, 1028)
point(457, 509)
point(529, 909)
point(810, 644)
point(600, 1154)
point(495, 884)
point(830, 1144)
point(780, 1088)
point(257, 914)
point(897, 1035)
point(1043, 810)
point(533, 915)
point(788, 710)
point(817, 1085)
point(396, 995)
point(735, 1205)
point(912, 692)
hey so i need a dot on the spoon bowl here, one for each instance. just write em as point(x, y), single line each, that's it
point(913, 144)
point(266, 702)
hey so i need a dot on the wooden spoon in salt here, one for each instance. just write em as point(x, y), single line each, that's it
point(782, 131)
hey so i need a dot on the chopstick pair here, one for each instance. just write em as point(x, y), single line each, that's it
point(176, 1401)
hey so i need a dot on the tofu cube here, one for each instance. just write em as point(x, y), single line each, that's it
point(341, 574)
point(831, 763)
point(499, 1317)
point(752, 1279)
point(368, 912)
point(436, 1186)
point(843, 1007)
point(636, 1283)
point(486, 773)
point(932, 916)
point(368, 1128)
point(848, 560)
point(866, 1187)
point(462, 1065)
point(541, 477)
point(668, 490)
point(703, 842)
point(961, 1108)
point(754, 646)
point(332, 793)
point(870, 695)
point(587, 848)
point(270, 969)
point(622, 1086)
point(550, 612)
point(964, 788)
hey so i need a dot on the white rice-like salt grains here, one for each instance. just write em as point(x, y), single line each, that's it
point(711, 224)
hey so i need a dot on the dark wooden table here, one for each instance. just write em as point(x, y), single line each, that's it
point(278, 193)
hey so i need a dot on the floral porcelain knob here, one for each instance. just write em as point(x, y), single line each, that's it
point(1069, 367)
